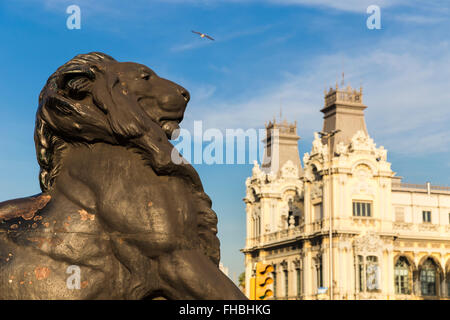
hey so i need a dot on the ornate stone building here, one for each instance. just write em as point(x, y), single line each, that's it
point(389, 239)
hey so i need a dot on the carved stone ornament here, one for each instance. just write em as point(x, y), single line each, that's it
point(363, 176)
point(257, 173)
point(381, 153)
point(368, 243)
point(289, 170)
point(316, 189)
point(317, 146)
point(341, 148)
point(362, 142)
point(308, 175)
point(306, 158)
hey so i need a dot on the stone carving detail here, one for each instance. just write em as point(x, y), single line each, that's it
point(291, 221)
point(308, 175)
point(381, 154)
point(318, 147)
point(297, 263)
point(369, 243)
point(283, 222)
point(363, 174)
point(316, 190)
point(289, 170)
point(428, 227)
point(403, 225)
point(341, 148)
point(271, 177)
point(362, 142)
point(257, 173)
point(306, 158)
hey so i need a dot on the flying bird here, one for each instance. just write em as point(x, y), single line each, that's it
point(202, 35)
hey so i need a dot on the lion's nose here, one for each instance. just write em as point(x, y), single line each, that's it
point(185, 94)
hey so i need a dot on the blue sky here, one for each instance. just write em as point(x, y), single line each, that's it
point(266, 53)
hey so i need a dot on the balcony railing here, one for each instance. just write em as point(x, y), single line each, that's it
point(424, 186)
point(277, 236)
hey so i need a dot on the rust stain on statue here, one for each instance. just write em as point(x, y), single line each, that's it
point(24, 207)
point(40, 241)
point(42, 273)
point(84, 284)
point(85, 215)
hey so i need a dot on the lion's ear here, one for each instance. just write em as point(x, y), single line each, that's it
point(77, 83)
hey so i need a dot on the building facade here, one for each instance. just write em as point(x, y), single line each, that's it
point(344, 226)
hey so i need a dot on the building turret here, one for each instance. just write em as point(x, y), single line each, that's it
point(281, 146)
point(344, 111)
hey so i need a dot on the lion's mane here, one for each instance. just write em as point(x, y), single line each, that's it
point(80, 103)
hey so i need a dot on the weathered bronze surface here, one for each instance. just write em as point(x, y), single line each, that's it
point(113, 203)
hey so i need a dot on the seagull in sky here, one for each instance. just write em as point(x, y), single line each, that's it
point(202, 35)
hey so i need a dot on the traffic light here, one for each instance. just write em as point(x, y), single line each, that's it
point(262, 280)
point(252, 288)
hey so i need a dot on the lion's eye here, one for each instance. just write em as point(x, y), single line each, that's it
point(145, 76)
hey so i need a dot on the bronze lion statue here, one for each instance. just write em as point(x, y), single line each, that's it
point(113, 203)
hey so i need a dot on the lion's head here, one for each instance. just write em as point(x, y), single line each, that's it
point(94, 98)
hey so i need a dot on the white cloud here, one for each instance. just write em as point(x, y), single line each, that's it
point(419, 19)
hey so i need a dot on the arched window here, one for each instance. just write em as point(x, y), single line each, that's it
point(368, 274)
point(402, 276)
point(286, 283)
point(428, 278)
point(372, 273)
point(319, 271)
point(299, 282)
